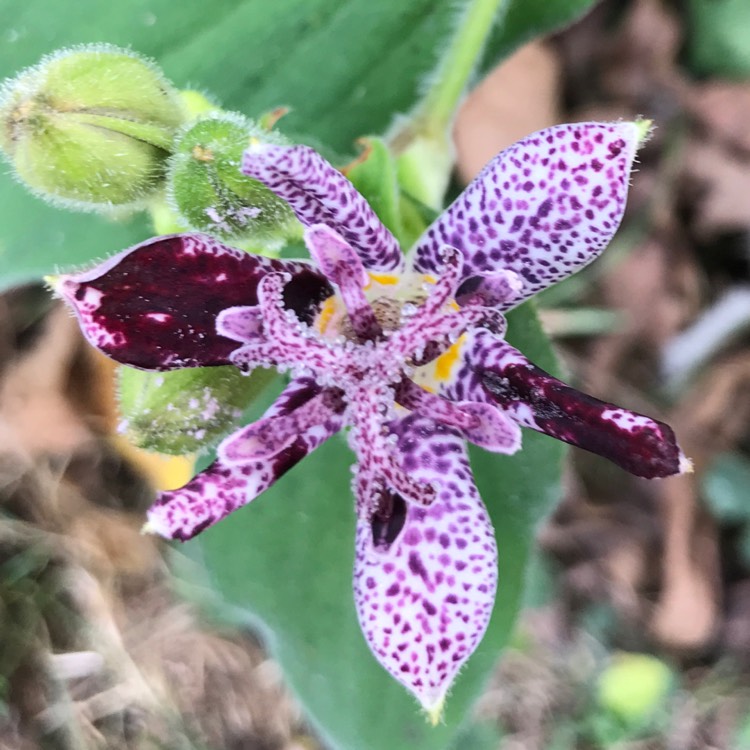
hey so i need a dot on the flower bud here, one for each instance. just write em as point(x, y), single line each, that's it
point(90, 127)
point(208, 190)
point(184, 411)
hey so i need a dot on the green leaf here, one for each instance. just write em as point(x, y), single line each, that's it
point(288, 558)
point(344, 66)
point(725, 488)
point(719, 37)
point(527, 19)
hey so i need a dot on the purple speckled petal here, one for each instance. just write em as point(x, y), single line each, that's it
point(543, 208)
point(494, 371)
point(224, 487)
point(154, 306)
point(425, 578)
point(320, 194)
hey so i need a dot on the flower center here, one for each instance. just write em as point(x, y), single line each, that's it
point(363, 354)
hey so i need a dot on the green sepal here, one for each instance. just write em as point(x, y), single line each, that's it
point(185, 411)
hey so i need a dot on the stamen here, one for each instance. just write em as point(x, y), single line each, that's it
point(270, 435)
point(490, 290)
point(343, 267)
point(444, 289)
point(286, 341)
point(414, 398)
point(240, 323)
point(446, 327)
point(379, 466)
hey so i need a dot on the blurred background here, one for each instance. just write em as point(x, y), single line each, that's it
point(636, 630)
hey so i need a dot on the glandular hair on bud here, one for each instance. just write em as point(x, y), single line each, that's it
point(90, 127)
point(207, 189)
point(187, 411)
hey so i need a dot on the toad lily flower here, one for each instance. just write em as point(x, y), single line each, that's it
point(409, 356)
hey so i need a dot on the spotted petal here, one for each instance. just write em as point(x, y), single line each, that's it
point(228, 483)
point(319, 194)
point(494, 371)
point(542, 208)
point(425, 578)
point(155, 305)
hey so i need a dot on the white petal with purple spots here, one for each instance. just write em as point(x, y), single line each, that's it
point(425, 578)
point(543, 208)
point(319, 194)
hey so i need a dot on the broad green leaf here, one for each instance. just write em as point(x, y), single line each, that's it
point(527, 19)
point(345, 67)
point(719, 37)
point(287, 559)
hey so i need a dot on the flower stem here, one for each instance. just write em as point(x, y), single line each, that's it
point(454, 71)
point(422, 141)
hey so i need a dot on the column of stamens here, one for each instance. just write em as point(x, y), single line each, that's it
point(338, 261)
point(270, 435)
point(378, 461)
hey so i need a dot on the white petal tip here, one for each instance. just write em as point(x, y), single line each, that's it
point(643, 129)
point(153, 527)
point(434, 711)
point(686, 464)
point(55, 283)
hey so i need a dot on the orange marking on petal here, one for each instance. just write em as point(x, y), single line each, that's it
point(386, 279)
point(325, 314)
point(445, 363)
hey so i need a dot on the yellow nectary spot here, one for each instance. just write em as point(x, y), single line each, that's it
point(445, 363)
point(386, 279)
point(325, 314)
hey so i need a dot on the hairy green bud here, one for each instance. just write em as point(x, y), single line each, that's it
point(90, 127)
point(208, 190)
point(185, 411)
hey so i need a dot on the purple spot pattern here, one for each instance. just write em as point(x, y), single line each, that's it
point(543, 208)
point(226, 486)
point(154, 306)
point(319, 194)
point(495, 372)
point(424, 601)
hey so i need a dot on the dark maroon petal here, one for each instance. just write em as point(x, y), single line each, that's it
point(154, 306)
point(501, 374)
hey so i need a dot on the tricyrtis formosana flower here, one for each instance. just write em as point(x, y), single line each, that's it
point(409, 355)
